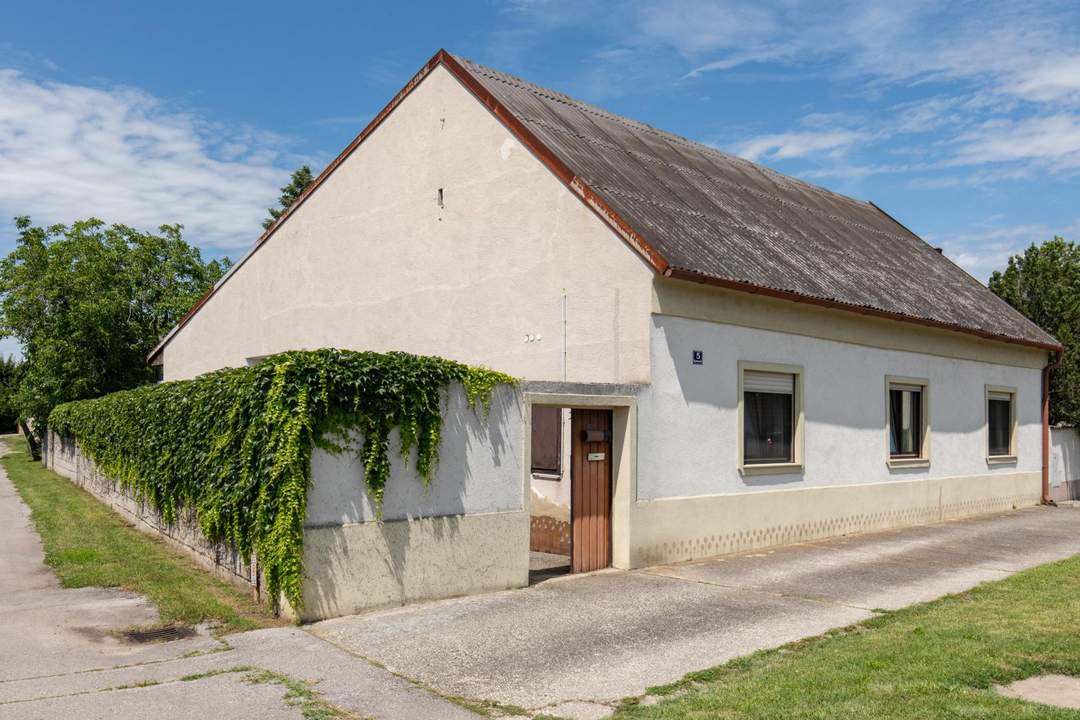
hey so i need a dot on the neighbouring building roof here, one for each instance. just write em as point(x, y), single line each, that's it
point(696, 213)
point(717, 218)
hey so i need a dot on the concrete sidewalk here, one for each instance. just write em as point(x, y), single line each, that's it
point(570, 646)
point(574, 645)
point(60, 656)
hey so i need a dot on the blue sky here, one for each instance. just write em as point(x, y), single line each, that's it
point(964, 122)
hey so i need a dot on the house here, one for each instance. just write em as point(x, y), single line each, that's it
point(715, 357)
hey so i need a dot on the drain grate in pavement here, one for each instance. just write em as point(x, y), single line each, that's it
point(162, 634)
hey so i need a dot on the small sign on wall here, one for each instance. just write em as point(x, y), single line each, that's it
point(697, 357)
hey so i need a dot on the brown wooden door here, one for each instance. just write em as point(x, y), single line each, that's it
point(590, 489)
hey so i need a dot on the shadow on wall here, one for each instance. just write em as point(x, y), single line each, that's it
point(479, 472)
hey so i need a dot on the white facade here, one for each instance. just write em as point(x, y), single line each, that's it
point(690, 436)
point(442, 234)
point(372, 261)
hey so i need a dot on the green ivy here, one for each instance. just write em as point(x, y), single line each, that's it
point(234, 445)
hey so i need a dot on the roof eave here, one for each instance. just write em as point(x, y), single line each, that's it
point(747, 287)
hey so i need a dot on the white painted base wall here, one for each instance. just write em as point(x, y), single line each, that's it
point(691, 500)
point(676, 529)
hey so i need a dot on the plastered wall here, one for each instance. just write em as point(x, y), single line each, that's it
point(479, 470)
point(688, 444)
point(372, 261)
point(467, 532)
point(1065, 463)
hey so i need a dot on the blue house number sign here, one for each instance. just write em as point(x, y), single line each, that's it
point(698, 357)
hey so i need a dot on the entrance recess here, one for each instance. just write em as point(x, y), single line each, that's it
point(590, 482)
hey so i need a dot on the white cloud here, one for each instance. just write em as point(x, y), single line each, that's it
point(785, 146)
point(697, 26)
point(71, 151)
point(983, 250)
point(1053, 140)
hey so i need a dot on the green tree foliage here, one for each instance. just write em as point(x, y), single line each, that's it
point(88, 302)
point(298, 183)
point(1044, 284)
point(234, 446)
point(11, 371)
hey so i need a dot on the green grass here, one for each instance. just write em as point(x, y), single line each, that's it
point(87, 544)
point(936, 660)
point(298, 693)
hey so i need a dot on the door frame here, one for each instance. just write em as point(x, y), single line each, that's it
point(623, 458)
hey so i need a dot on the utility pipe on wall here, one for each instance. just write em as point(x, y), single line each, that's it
point(564, 335)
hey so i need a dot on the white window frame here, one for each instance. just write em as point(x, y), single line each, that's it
point(1014, 425)
point(797, 418)
point(923, 460)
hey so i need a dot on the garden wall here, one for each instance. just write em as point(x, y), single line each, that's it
point(468, 532)
point(1064, 463)
point(62, 456)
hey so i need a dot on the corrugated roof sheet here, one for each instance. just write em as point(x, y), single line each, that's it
point(722, 217)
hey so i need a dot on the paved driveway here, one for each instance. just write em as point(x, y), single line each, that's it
point(570, 645)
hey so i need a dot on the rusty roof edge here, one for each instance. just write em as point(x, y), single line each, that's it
point(685, 274)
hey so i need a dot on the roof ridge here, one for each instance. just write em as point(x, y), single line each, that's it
point(587, 107)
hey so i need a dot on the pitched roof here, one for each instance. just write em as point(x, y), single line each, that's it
point(716, 218)
point(699, 214)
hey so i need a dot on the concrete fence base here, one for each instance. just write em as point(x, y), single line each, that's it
point(63, 456)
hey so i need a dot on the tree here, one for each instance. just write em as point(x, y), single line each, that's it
point(298, 183)
point(1044, 284)
point(11, 371)
point(88, 302)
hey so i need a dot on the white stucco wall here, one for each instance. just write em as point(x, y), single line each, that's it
point(371, 262)
point(468, 532)
point(1064, 457)
point(688, 442)
point(479, 470)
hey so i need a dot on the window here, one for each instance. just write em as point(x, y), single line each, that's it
point(159, 373)
point(907, 422)
point(1000, 424)
point(547, 440)
point(770, 418)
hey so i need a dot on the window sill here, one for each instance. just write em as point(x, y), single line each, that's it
point(908, 462)
point(771, 469)
point(546, 476)
point(1001, 460)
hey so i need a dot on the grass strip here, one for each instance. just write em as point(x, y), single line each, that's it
point(940, 659)
point(87, 544)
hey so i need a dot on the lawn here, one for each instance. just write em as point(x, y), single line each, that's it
point(936, 660)
point(87, 544)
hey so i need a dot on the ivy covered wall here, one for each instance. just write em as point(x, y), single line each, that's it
point(235, 446)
